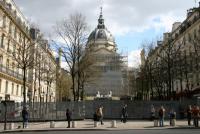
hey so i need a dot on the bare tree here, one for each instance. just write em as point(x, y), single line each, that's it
point(167, 55)
point(73, 32)
point(23, 55)
point(88, 71)
point(194, 40)
point(64, 84)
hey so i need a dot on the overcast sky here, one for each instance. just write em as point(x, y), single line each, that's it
point(130, 21)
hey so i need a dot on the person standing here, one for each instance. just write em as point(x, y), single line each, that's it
point(68, 116)
point(153, 112)
point(195, 113)
point(124, 114)
point(161, 114)
point(189, 115)
point(25, 117)
point(172, 117)
point(100, 114)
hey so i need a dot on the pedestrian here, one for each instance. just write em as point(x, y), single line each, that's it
point(161, 114)
point(68, 116)
point(153, 113)
point(100, 114)
point(124, 114)
point(172, 117)
point(95, 117)
point(195, 113)
point(25, 117)
point(189, 114)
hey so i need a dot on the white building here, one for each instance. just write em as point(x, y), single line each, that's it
point(112, 75)
point(14, 30)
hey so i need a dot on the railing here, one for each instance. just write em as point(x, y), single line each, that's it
point(10, 72)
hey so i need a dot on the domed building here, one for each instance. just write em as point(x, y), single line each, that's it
point(108, 78)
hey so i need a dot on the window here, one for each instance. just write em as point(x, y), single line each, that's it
point(17, 91)
point(195, 33)
point(2, 40)
point(17, 69)
point(4, 21)
point(20, 38)
point(0, 85)
point(8, 48)
point(15, 32)
point(6, 87)
point(21, 90)
point(7, 63)
point(13, 66)
point(12, 88)
point(1, 60)
point(10, 27)
point(14, 48)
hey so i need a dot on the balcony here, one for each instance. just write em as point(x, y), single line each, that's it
point(10, 72)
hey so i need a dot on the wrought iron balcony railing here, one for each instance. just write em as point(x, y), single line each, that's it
point(10, 72)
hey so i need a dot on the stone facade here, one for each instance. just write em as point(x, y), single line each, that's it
point(180, 48)
point(14, 30)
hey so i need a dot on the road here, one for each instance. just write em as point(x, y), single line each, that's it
point(161, 131)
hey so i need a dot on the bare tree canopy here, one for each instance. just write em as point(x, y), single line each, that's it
point(73, 31)
point(24, 57)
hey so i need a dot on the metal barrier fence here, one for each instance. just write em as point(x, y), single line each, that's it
point(85, 109)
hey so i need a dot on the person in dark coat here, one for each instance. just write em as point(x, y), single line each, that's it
point(25, 117)
point(124, 114)
point(189, 115)
point(161, 114)
point(68, 116)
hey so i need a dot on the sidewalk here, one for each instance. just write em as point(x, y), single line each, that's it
point(89, 125)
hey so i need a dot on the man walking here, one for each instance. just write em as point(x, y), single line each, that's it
point(25, 117)
point(124, 114)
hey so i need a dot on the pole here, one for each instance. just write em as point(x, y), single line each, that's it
point(5, 119)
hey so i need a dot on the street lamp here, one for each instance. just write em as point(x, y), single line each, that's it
point(5, 103)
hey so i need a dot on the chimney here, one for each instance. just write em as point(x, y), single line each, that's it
point(166, 36)
point(34, 33)
point(175, 26)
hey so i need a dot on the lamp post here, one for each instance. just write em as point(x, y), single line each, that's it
point(5, 102)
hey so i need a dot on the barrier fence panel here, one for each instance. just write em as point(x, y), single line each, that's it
point(86, 109)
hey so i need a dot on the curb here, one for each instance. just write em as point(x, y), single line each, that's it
point(92, 129)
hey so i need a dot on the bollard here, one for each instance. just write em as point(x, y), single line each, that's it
point(11, 126)
point(113, 124)
point(96, 123)
point(173, 122)
point(155, 123)
point(74, 124)
point(52, 124)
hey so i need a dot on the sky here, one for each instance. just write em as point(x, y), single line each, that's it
point(131, 22)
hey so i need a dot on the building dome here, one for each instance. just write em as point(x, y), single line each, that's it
point(101, 33)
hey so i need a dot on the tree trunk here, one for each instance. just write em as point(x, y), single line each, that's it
point(73, 87)
point(24, 86)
